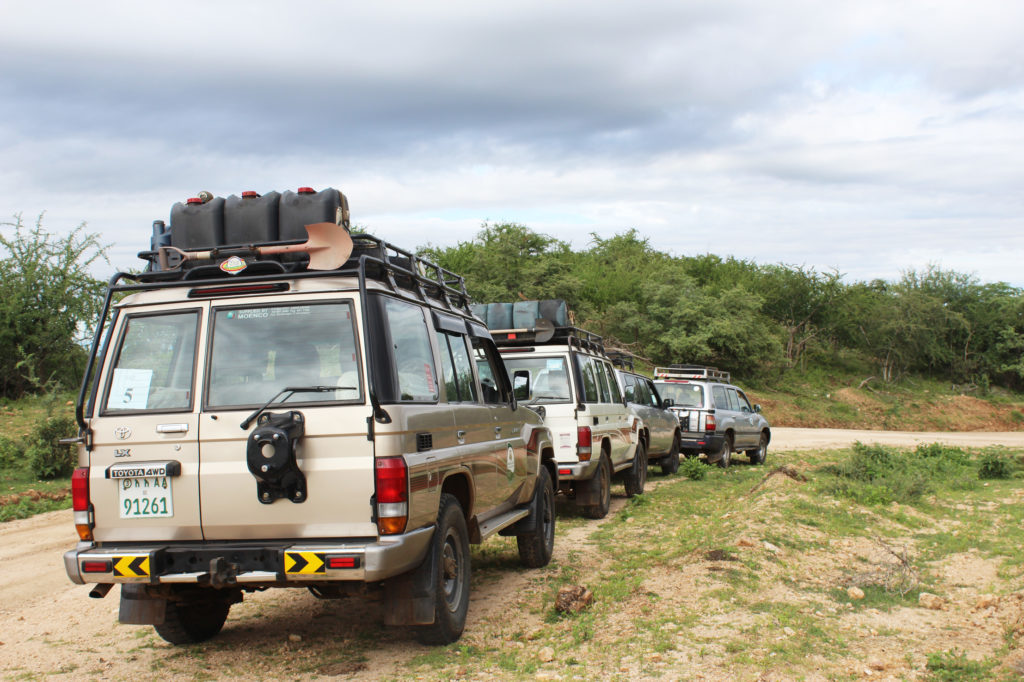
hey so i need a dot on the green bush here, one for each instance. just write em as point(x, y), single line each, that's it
point(995, 466)
point(954, 666)
point(10, 453)
point(47, 458)
point(875, 474)
point(693, 469)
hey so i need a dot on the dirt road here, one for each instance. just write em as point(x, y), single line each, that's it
point(51, 627)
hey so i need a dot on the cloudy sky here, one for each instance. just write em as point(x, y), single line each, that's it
point(867, 136)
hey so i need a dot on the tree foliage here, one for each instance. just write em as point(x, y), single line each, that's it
point(755, 319)
point(48, 303)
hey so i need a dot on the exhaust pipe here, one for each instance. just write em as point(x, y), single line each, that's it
point(100, 591)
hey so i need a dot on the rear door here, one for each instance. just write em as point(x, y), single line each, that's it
point(144, 465)
point(256, 350)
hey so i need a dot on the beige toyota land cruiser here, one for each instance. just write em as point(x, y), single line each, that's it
point(325, 415)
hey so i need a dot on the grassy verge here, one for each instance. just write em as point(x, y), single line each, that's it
point(22, 492)
point(718, 578)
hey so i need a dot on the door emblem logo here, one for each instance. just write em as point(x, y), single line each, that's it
point(122, 452)
point(122, 432)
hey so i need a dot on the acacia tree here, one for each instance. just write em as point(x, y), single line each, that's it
point(48, 303)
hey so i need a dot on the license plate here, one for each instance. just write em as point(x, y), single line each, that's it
point(145, 498)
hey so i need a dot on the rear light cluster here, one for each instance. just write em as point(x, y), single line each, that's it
point(709, 422)
point(584, 443)
point(391, 478)
point(80, 503)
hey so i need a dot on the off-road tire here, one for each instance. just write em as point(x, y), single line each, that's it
point(603, 478)
point(670, 462)
point(725, 454)
point(758, 455)
point(450, 548)
point(636, 476)
point(193, 620)
point(535, 548)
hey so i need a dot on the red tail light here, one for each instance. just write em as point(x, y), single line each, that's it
point(80, 503)
point(391, 478)
point(584, 443)
point(709, 423)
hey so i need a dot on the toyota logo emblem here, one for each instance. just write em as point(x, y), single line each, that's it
point(122, 432)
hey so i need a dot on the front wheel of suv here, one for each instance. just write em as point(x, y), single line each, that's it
point(758, 456)
point(536, 547)
point(636, 477)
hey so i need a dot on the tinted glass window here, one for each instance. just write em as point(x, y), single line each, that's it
point(456, 368)
point(549, 377)
point(602, 382)
point(721, 397)
point(683, 395)
point(653, 399)
point(410, 347)
point(155, 364)
point(491, 387)
point(643, 395)
point(257, 352)
point(629, 382)
point(744, 404)
point(588, 376)
point(613, 385)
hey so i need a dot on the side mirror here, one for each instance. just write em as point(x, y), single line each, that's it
point(757, 408)
point(667, 403)
point(521, 384)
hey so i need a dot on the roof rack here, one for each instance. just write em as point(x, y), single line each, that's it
point(691, 372)
point(544, 334)
point(621, 359)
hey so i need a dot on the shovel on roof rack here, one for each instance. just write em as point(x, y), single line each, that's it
point(328, 246)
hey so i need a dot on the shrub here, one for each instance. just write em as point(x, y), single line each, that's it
point(693, 469)
point(995, 466)
point(10, 453)
point(46, 457)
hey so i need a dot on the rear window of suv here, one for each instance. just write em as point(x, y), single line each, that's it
point(549, 377)
point(682, 395)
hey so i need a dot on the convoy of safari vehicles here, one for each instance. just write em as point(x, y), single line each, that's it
point(275, 402)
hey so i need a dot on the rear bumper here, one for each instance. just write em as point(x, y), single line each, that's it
point(701, 442)
point(577, 471)
point(226, 564)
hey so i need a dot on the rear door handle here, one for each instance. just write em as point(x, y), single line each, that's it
point(172, 428)
point(497, 432)
point(460, 436)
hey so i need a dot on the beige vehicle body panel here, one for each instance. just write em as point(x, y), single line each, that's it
point(214, 495)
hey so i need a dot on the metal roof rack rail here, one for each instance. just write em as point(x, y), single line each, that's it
point(621, 359)
point(546, 333)
point(691, 372)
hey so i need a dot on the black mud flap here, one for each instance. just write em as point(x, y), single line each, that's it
point(139, 608)
point(409, 599)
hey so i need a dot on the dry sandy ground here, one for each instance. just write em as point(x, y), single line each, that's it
point(52, 628)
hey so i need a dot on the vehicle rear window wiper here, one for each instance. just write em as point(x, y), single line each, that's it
point(291, 390)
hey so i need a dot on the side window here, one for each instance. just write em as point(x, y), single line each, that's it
point(457, 369)
point(742, 402)
point(613, 385)
point(629, 381)
point(492, 388)
point(155, 363)
point(653, 399)
point(721, 397)
point(410, 348)
point(589, 378)
point(602, 381)
point(643, 395)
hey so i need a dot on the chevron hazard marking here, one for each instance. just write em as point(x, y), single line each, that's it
point(132, 566)
point(304, 563)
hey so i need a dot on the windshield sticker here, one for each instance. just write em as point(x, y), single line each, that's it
point(555, 363)
point(430, 378)
point(129, 389)
point(267, 313)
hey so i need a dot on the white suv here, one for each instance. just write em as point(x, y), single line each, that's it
point(563, 373)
